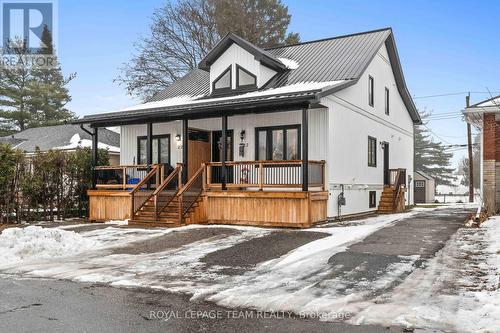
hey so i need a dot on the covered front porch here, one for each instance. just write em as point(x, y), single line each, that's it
point(175, 171)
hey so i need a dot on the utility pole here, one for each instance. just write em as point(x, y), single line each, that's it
point(469, 144)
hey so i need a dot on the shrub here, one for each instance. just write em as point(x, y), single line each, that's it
point(45, 185)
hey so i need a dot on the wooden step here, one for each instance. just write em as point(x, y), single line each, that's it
point(143, 223)
point(147, 219)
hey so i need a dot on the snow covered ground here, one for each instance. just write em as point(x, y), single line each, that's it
point(457, 290)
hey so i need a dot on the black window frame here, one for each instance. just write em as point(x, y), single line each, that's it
point(154, 137)
point(372, 144)
point(269, 130)
point(371, 90)
point(387, 101)
point(223, 90)
point(372, 199)
point(245, 86)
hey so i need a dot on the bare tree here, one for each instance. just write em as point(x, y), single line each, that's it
point(183, 32)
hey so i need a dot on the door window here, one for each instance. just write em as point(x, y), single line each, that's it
point(161, 149)
point(278, 143)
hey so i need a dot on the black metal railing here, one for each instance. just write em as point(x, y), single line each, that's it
point(261, 174)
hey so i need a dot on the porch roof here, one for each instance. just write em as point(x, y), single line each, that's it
point(194, 107)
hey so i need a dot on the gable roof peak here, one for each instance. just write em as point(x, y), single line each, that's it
point(231, 38)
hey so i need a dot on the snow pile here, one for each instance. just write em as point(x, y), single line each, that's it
point(289, 63)
point(21, 245)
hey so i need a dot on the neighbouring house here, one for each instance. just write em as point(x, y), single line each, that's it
point(66, 137)
point(287, 136)
point(485, 116)
point(424, 187)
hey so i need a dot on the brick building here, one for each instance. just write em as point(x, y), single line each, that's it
point(485, 116)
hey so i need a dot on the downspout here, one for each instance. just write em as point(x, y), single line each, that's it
point(95, 147)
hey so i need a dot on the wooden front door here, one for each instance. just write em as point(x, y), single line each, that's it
point(419, 187)
point(199, 150)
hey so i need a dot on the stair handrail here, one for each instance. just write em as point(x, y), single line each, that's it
point(399, 182)
point(137, 187)
point(186, 187)
point(163, 185)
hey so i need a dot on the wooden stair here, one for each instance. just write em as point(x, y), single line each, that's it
point(168, 217)
point(387, 203)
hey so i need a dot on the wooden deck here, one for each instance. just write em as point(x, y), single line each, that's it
point(266, 208)
point(239, 207)
point(259, 194)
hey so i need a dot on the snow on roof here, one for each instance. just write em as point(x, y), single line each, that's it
point(192, 100)
point(289, 63)
point(491, 102)
point(77, 142)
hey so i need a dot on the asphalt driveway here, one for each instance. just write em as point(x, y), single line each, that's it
point(55, 305)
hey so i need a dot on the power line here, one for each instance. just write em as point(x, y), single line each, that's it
point(457, 93)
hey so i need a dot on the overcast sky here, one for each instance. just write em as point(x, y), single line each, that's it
point(446, 47)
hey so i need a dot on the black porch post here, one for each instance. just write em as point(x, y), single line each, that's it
point(185, 152)
point(95, 140)
point(305, 152)
point(224, 152)
point(149, 145)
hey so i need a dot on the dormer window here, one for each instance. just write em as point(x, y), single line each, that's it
point(223, 82)
point(245, 79)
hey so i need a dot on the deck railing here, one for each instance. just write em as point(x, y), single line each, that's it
point(139, 200)
point(191, 191)
point(167, 190)
point(397, 178)
point(265, 174)
point(123, 177)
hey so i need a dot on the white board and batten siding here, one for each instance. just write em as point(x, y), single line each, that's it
point(351, 121)
point(248, 123)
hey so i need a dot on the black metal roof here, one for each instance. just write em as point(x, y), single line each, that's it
point(208, 108)
point(51, 137)
point(342, 58)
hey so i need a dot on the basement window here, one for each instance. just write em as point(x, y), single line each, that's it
point(372, 199)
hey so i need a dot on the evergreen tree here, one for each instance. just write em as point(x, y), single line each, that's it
point(48, 82)
point(16, 89)
point(431, 156)
point(33, 95)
